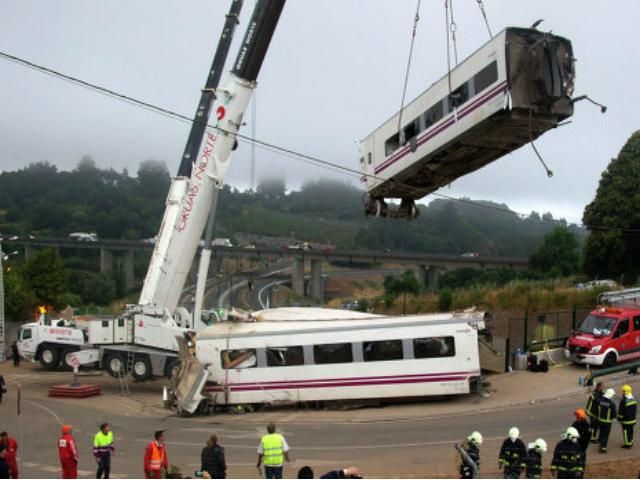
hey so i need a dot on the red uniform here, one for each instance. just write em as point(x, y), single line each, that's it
point(11, 456)
point(68, 455)
point(155, 460)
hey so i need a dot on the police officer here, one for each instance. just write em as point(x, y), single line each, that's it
point(566, 456)
point(272, 451)
point(627, 416)
point(471, 448)
point(592, 410)
point(606, 415)
point(532, 461)
point(511, 454)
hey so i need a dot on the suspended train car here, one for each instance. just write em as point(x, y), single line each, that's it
point(510, 91)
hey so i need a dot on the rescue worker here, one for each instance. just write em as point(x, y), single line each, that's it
point(627, 416)
point(592, 410)
point(103, 448)
point(272, 451)
point(471, 447)
point(15, 353)
point(606, 415)
point(566, 456)
point(4, 467)
point(155, 457)
point(11, 455)
point(511, 454)
point(532, 461)
point(582, 426)
point(68, 453)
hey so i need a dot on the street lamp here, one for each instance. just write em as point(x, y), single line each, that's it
point(3, 257)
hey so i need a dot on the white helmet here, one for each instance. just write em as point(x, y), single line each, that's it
point(475, 438)
point(514, 433)
point(540, 445)
point(610, 393)
point(572, 434)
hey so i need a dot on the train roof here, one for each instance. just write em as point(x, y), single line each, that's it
point(310, 313)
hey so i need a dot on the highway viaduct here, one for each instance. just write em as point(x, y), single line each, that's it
point(428, 266)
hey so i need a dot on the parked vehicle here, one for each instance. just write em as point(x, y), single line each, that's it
point(84, 237)
point(607, 336)
point(221, 242)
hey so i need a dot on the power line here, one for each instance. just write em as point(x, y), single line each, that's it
point(283, 150)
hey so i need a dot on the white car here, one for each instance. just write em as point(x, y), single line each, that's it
point(84, 237)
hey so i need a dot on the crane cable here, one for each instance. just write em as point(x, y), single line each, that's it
point(416, 19)
point(451, 28)
point(484, 15)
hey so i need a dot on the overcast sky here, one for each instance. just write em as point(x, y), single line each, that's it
point(333, 73)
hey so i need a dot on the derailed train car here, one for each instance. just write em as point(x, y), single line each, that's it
point(506, 94)
point(299, 355)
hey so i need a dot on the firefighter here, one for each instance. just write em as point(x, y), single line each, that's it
point(592, 410)
point(606, 415)
point(511, 454)
point(566, 456)
point(103, 448)
point(11, 453)
point(155, 457)
point(68, 453)
point(627, 416)
point(471, 447)
point(532, 461)
point(582, 426)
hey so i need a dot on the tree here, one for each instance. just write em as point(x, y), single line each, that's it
point(558, 255)
point(613, 218)
point(274, 187)
point(403, 284)
point(19, 297)
point(44, 272)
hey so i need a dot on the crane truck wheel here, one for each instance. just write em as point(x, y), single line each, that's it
point(141, 368)
point(114, 364)
point(66, 356)
point(49, 357)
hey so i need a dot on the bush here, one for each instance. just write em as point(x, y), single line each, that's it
point(445, 299)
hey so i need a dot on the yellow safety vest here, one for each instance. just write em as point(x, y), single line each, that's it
point(273, 450)
point(102, 444)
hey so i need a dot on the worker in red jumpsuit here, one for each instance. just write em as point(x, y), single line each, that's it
point(68, 453)
point(155, 457)
point(12, 453)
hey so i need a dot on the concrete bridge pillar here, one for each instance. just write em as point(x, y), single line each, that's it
point(128, 270)
point(422, 276)
point(433, 278)
point(106, 260)
point(29, 251)
point(317, 288)
point(297, 276)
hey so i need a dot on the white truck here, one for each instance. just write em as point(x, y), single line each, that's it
point(143, 340)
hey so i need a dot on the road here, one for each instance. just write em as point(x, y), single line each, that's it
point(417, 445)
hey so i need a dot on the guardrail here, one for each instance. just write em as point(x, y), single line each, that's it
point(556, 342)
point(601, 372)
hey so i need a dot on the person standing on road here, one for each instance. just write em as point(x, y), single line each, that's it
point(3, 387)
point(582, 426)
point(532, 461)
point(4, 466)
point(592, 410)
point(273, 450)
point(606, 415)
point(471, 447)
point(15, 354)
point(511, 454)
point(68, 453)
point(103, 448)
point(627, 416)
point(566, 456)
point(212, 459)
point(155, 457)
point(11, 456)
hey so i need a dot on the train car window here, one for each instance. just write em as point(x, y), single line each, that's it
point(411, 130)
point(382, 350)
point(433, 115)
point(284, 356)
point(459, 96)
point(333, 353)
point(245, 358)
point(433, 347)
point(485, 77)
point(392, 144)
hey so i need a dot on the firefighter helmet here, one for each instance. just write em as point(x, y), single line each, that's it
point(610, 393)
point(626, 389)
point(540, 445)
point(572, 434)
point(475, 438)
point(514, 433)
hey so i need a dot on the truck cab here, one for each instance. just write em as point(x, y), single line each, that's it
point(607, 335)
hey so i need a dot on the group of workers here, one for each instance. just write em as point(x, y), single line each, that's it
point(591, 425)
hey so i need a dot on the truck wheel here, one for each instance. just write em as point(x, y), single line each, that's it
point(173, 368)
point(141, 368)
point(66, 353)
point(610, 360)
point(49, 357)
point(114, 364)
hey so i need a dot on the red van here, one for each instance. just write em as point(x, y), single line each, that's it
point(607, 336)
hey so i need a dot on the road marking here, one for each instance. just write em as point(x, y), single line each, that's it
point(48, 410)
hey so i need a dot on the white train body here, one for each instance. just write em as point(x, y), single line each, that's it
point(337, 355)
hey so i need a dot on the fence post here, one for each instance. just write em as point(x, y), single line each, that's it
point(526, 329)
point(507, 354)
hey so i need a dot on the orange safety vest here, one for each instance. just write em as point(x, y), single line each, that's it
point(157, 457)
